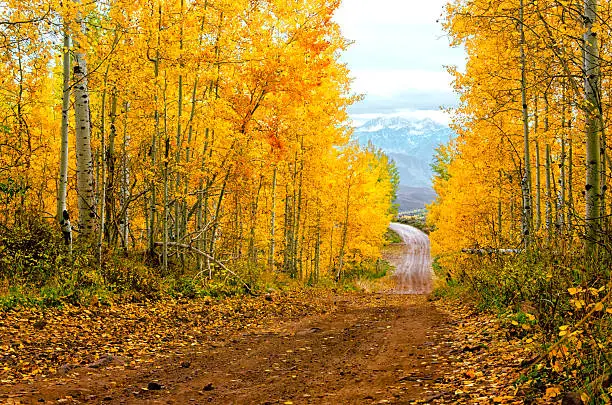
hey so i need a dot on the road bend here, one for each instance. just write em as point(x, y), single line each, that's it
point(412, 260)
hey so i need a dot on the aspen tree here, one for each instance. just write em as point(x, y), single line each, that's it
point(178, 201)
point(549, 194)
point(152, 203)
point(266, 127)
point(526, 180)
point(111, 160)
point(272, 221)
point(124, 217)
point(538, 217)
point(592, 89)
point(62, 213)
point(85, 179)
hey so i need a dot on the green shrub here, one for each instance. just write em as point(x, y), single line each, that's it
point(392, 237)
point(368, 269)
point(544, 296)
point(31, 251)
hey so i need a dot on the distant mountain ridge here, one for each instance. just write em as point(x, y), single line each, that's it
point(411, 143)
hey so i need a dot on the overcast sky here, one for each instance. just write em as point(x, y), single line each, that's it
point(398, 58)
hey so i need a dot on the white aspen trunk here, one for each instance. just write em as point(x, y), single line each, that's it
point(272, 222)
point(238, 231)
point(62, 215)
point(85, 179)
point(293, 228)
point(201, 239)
point(536, 128)
point(110, 193)
point(177, 156)
point(188, 153)
point(592, 87)
point(344, 233)
point(331, 248)
point(124, 222)
point(499, 213)
point(548, 195)
point(202, 215)
point(178, 200)
point(562, 184)
point(604, 218)
point(102, 199)
point(154, 140)
point(298, 215)
point(527, 217)
point(216, 219)
point(570, 179)
point(213, 237)
point(288, 226)
point(538, 219)
point(166, 211)
point(317, 252)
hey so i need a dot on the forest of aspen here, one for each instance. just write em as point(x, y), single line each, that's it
point(160, 150)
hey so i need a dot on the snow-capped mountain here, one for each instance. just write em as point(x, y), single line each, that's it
point(410, 143)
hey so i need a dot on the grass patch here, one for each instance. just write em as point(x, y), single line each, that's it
point(392, 237)
point(367, 276)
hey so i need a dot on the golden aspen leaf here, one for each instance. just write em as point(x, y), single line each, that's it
point(573, 291)
point(552, 392)
point(598, 307)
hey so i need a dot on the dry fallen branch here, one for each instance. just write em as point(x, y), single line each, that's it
point(210, 257)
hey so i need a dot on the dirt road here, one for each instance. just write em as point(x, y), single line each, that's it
point(309, 348)
point(413, 274)
point(365, 349)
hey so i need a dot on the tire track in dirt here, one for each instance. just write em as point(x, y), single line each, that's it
point(356, 348)
point(412, 261)
point(365, 349)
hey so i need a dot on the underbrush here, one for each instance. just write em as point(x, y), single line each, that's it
point(36, 270)
point(447, 287)
point(550, 300)
point(392, 237)
point(368, 276)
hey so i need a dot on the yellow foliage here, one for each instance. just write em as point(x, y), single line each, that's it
point(223, 122)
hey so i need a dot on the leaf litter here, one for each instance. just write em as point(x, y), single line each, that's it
point(311, 346)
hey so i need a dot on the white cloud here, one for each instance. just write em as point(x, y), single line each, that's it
point(398, 56)
point(389, 83)
point(359, 12)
